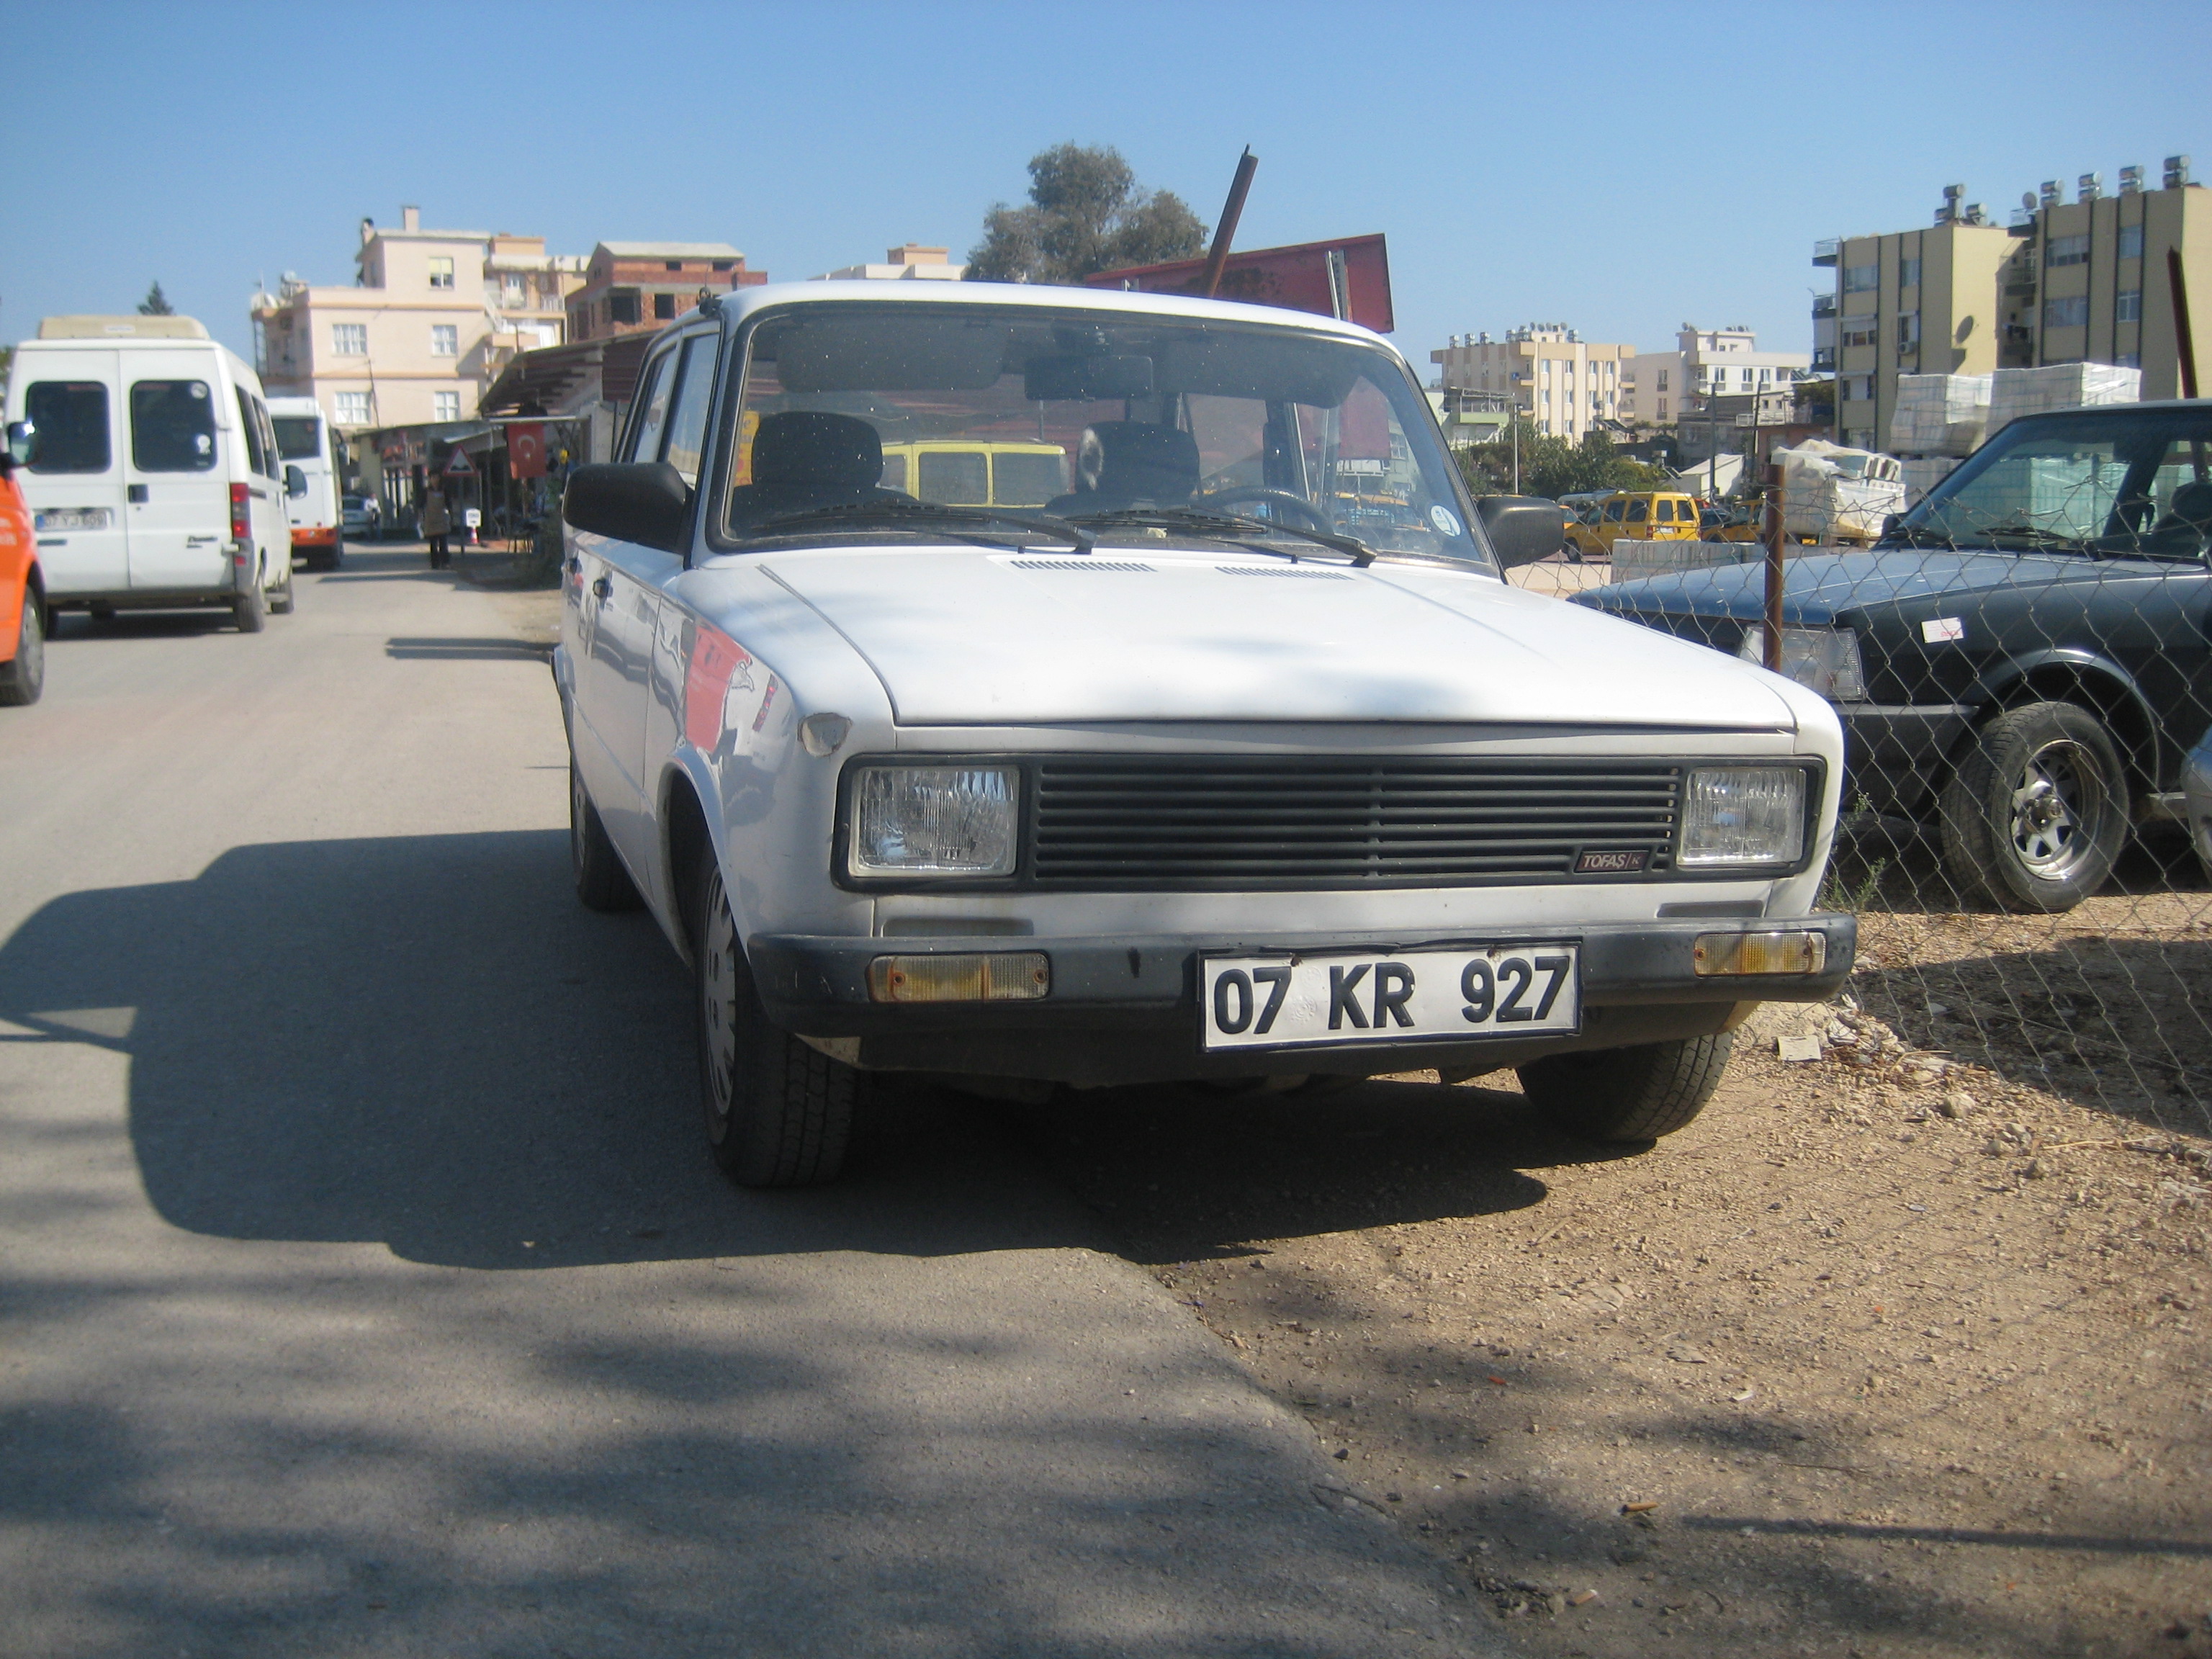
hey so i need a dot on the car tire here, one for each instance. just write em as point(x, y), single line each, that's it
point(778, 1112)
point(23, 677)
point(1638, 1093)
point(250, 611)
point(280, 598)
point(336, 555)
point(602, 882)
point(2036, 811)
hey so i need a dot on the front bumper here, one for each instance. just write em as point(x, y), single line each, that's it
point(1894, 754)
point(1125, 1009)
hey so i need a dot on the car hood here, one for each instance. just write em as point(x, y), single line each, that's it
point(963, 636)
point(1820, 589)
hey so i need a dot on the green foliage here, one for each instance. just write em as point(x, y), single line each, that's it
point(1818, 399)
point(156, 303)
point(1554, 467)
point(1086, 213)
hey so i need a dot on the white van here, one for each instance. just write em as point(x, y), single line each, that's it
point(153, 481)
point(311, 482)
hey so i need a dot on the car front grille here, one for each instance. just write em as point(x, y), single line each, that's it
point(1223, 823)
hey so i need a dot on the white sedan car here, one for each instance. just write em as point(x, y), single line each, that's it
point(1177, 725)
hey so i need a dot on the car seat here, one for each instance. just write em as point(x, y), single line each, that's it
point(2187, 522)
point(1127, 462)
point(805, 458)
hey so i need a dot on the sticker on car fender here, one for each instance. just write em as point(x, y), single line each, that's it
point(1938, 630)
point(1453, 995)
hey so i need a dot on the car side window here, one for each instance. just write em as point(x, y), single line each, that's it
point(270, 453)
point(69, 418)
point(173, 426)
point(1613, 511)
point(1636, 510)
point(249, 434)
point(1663, 512)
point(694, 392)
point(653, 409)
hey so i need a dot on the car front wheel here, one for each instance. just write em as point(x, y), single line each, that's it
point(24, 675)
point(779, 1113)
point(1636, 1093)
point(2036, 813)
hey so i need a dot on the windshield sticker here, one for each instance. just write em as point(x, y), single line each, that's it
point(1937, 629)
point(1446, 520)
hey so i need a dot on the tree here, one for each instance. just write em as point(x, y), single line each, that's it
point(156, 303)
point(1553, 466)
point(1086, 213)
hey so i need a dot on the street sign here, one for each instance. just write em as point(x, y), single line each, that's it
point(458, 466)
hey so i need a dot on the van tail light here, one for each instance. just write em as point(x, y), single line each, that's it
point(241, 517)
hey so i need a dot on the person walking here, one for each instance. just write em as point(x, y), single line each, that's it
point(437, 525)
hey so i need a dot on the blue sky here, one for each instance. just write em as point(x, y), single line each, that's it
point(1621, 168)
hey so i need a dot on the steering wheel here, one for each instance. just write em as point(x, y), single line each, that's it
point(1295, 506)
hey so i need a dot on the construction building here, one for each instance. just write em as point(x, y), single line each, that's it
point(631, 288)
point(1565, 386)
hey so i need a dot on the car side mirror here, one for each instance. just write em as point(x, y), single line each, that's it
point(295, 482)
point(1521, 529)
point(22, 442)
point(646, 503)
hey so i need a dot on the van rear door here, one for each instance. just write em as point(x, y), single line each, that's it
point(175, 469)
point(73, 487)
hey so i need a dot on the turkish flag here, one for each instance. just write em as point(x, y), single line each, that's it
point(526, 452)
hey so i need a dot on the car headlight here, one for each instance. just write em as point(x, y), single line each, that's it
point(1822, 659)
point(1743, 815)
point(934, 821)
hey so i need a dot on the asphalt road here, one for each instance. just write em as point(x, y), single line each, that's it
point(364, 1288)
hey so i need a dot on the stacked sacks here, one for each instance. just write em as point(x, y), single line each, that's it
point(2017, 391)
point(1939, 414)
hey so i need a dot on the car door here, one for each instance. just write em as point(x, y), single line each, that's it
point(176, 471)
point(73, 486)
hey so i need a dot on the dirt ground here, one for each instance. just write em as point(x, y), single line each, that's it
point(1888, 1353)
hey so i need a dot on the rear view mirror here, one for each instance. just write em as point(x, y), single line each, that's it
point(1086, 379)
point(23, 441)
point(295, 482)
point(643, 502)
point(1521, 529)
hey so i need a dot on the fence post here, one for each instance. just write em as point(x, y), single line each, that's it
point(1773, 528)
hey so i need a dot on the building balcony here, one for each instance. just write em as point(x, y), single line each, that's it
point(1824, 304)
point(1827, 252)
point(1824, 361)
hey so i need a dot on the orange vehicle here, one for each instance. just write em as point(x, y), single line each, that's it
point(22, 597)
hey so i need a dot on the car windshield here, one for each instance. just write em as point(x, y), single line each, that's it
point(298, 437)
point(1093, 414)
point(2106, 484)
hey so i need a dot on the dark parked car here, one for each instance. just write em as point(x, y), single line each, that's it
point(2023, 660)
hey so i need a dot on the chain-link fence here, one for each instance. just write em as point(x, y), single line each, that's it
point(2022, 662)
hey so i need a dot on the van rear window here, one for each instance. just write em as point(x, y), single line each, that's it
point(298, 437)
point(955, 476)
point(171, 426)
point(70, 417)
point(1027, 480)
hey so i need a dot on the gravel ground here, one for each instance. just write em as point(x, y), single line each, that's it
point(1885, 1354)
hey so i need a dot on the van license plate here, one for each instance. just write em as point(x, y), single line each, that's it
point(58, 519)
point(1405, 996)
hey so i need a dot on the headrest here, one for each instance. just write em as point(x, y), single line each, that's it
point(801, 448)
point(1131, 460)
point(2192, 502)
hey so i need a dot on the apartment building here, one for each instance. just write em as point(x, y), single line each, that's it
point(909, 262)
point(1562, 383)
point(1665, 388)
point(630, 288)
point(431, 318)
point(2088, 280)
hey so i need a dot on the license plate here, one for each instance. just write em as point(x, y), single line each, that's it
point(1404, 996)
point(57, 519)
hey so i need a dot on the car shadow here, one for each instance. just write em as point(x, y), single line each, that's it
point(76, 627)
point(431, 648)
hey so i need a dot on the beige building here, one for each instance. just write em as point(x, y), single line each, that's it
point(2089, 283)
point(909, 262)
point(1664, 388)
point(432, 317)
point(1562, 383)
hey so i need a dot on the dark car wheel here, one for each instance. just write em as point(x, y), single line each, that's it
point(601, 882)
point(2036, 813)
point(249, 610)
point(24, 675)
point(779, 1113)
point(1629, 1094)
point(281, 602)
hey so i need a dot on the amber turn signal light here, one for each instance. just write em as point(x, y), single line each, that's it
point(996, 976)
point(1795, 952)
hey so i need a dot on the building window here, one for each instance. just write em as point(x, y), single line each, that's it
point(1663, 409)
point(1859, 330)
point(1662, 380)
point(1908, 272)
point(2131, 241)
point(1908, 331)
point(349, 339)
point(441, 271)
point(2128, 308)
point(2067, 251)
point(1862, 279)
point(2128, 360)
point(445, 405)
point(722, 265)
point(675, 265)
point(622, 305)
point(2072, 312)
point(664, 307)
point(353, 409)
point(445, 340)
point(513, 289)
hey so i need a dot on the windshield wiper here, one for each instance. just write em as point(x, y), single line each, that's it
point(1241, 530)
point(917, 515)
